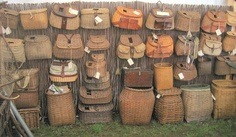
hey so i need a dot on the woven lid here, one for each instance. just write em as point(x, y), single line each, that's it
point(36, 38)
point(9, 11)
point(63, 10)
point(14, 42)
point(98, 42)
point(213, 44)
point(72, 41)
point(34, 11)
point(163, 41)
point(231, 15)
point(95, 11)
point(98, 57)
point(100, 80)
point(231, 33)
point(224, 83)
point(223, 58)
point(163, 65)
point(29, 110)
point(195, 87)
point(95, 107)
point(129, 12)
point(184, 38)
point(185, 66)
point(219, 16)
point(203, 59)
point(131, 40)
point(211, 36)
point(190, 14)
point(166, 92)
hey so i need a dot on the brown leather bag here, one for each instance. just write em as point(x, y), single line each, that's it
point(184, 71)
point(130, 46)
point(229, 41)
point(98, 42)
point(60, 17)
point(214, 20)
point(159, 48)
point(127, 18)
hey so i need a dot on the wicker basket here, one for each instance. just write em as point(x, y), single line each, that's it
point(225, 104)
point(95, 96)
point(61, 109)
point(204, 65)
point(9, 18)
point(182, 73)
point(4, 115)
point(27, 99)
point(92, 68)
point(169, 106)
point(90, 114)
point(98, 84)
point(136, 105)
point(31, 117)
point(198, 102)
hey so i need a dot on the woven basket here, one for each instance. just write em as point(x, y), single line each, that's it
point(169, 106)
point(27, 98)
point(228, 43)
point(5, 115)
point(31, 117)
point(136, 105)
point(225, 104)
point(9, 18)
point(61, 109)
point(198, 102)
point(90, 114)
point(207, 36)
point(98, 42)
point(163, 76)
point(184, 46)
point(94, 67)
point(98, 84)
point(182, 73)
point(34, 19)
point(95, 96)
point(204, 65)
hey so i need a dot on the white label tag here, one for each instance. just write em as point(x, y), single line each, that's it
point(163, 13)
point(72, 11)
point(181, 75)
point(188, 59)
point(86, 50)
point(218, 32)
point(3, 30)
point(233, 52)
point(70, 64)
point(136, 12)
point(98, 20)
point(213, 97)
point(8, 30)
point(97, 75)
point(200, 53)
point(130, 61)
point(158, 96)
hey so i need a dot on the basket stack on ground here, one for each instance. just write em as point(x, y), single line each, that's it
point(95, 97)
point(168, 104)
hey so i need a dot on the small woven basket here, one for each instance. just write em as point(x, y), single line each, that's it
point(92, 68)
point(98, 84)
point(61, 109)
point(136, 105)
point(224, 92)
point(169, 106)
point(198, 103)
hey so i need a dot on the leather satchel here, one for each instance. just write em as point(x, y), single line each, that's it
point(208, 36)
point(98, 42)
point(68, 46)
point(162, 47)
point(127, 18)
point(130, 46)
point(225, 65)
point(231, 18)
point(62, 18)
point(212, 48)
point(184, 71)
point(9, 18)
point(214, 20)
point(228, 43)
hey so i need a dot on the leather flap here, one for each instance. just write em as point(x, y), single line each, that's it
point(129, 12)
point(140, 48)
point(211, 36)
point(123, 49)
point(69, 41)
point(131, 40)
point(14, 42)
point(213, 44)
point(158, 13)
point(97, 38)
point(63, 10)
point(218, 16)
point(163, 41)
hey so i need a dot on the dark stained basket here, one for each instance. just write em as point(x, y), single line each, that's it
point(98, 84)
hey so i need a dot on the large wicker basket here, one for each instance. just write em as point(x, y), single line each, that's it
point(4, 115)
point(98, 84)
point(136, 105)
point(224, 92)
point(169, 106)
point(198, 102)
point(61, 109)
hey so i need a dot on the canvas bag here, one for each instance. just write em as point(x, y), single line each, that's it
point(228, 43)
point(208, 36)
point(127, 18)
point(184, 71)
point(214, 20)
point(225, 65)
point(9, 18)
point(231, 18)
point(68, 46)
point(98, 42)
point(212, 48)
point(64, 16)
point(130, 46)
point(161, 47)
point(95, 18)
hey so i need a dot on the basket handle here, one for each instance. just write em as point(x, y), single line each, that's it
point(161, 5)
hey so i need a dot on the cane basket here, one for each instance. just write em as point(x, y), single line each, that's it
point(169, 106)
point(198, 102)
point(224, 92)
point(61, 109)
point(9, 18)
point(98, 84)
point(136, 105)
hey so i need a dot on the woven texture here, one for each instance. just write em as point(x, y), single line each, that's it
point(184, 46)
point(5, 115)
point(169, 106)
point(136, 105)
point(60, 107)
point(204, 66)
point(222, 67)
point(231, 17)
point(198, 103)
point(207, 36)
point(98, 84)
point(98, 42)
point(228, 43)
point(9, 18)
point(225, 104)
point(184, 72)
point(93, 67)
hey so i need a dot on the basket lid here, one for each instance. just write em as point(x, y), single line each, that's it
point(158, 13)
point(162, 41)
point(172, 91)
point(63, 10)
point(219, 16)
point(9, 11)
point(94, 94)
point(36, 38)
point(95, 107)
point(29, 110)
point(190, 14)
point(195, 87)
point(98, 57)
point(223, 58)
point(97, 81)
point(231, 33)
point(129, 12)
point(34, 11)
point(95, 11)
point(65, 89)
point(211, 36)
point(163, 65)
point(15, 42)
point(131, 40)
point(69, 41)
point(224, 83)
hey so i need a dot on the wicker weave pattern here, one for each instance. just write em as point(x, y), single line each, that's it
point(98, 84)
point(222, 68)
point(204, 66)
point(9, 18)
point(188, 73)
point(93, 67)
point(229, 41)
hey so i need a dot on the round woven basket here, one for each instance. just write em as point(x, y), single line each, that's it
point(98, 84)
point(59, 78)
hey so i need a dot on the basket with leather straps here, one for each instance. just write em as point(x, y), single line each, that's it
point(231, 18)
point(64, 16)
point(87, 96)
point(127, 18)
point(38, 47)
point(184, 45)
point(214, 20)
point(187, 21)
point(9, 18)
point(97, 43)
point(212, 48)
point(63, 71)
point(95, 18)
point(198, 102)
point(34, 19)
point(68, 46)
point(130, 46)
point(204, 65)
point(225, 65)
point(160, 18)
point(162, 47)
point(184, 71)
point(98, 84)
point(207, 36)
point(228, 43)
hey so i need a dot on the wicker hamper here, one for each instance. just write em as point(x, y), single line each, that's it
point(136, 105)
point(198, 102)
point(169, 106)
point(98, 84)
point(4, 115)
point(61, 109)
point(31, 117)
point(224, 105)
point(95, 113)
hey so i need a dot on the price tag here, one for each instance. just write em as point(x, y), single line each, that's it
point(158, 96)
point(97, 75)
point(181, 75)
point(72, 11)
point(98, 20)
point(200, 53)
point(163, 13)
point(213, 97)
point(86, 50)
point(3, 30)
point(188, 59)
point(136, 12)
point(218, 32)
point(233, 52)
point(70, 64)
point(8, 30)
point(130, 61)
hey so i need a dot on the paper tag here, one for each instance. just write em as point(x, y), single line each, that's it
point(72, 11)
point(125, 68)
point(136, 12)
point(86, 50)
point(200, 53)
point(70, 64)
point(98, 20)
point(181, 75)
point(3, 30)
point(97, 75)
point(218, 32)
point(213, 97)
point(188, 59)
point(8, 31)
point(158, 96)
point(233, 52)
point(130, 61)
point(163, 13)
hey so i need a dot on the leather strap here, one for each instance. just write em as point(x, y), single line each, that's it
point(230, 63)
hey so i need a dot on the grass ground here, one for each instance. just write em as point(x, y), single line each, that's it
point(210, 128)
